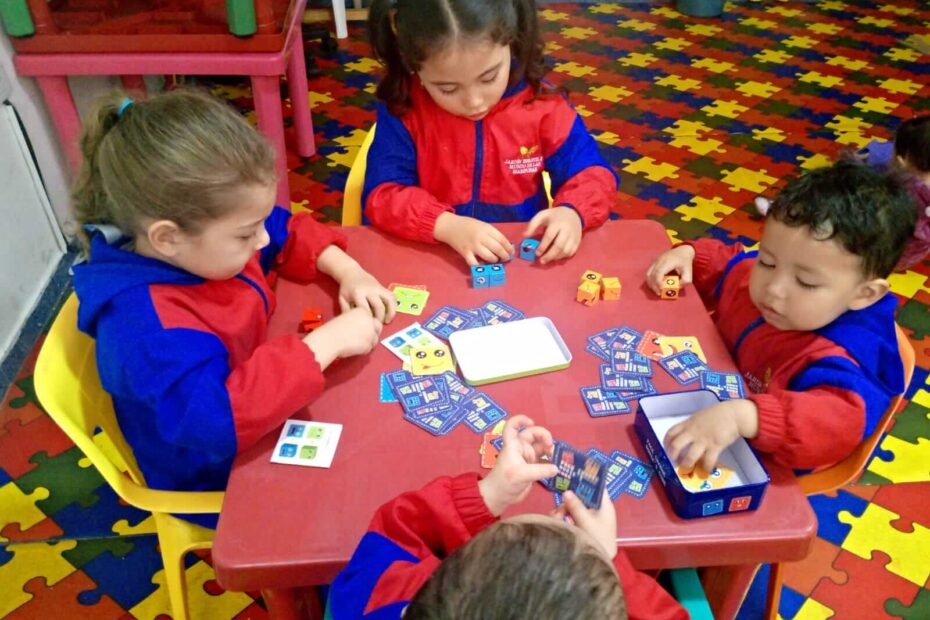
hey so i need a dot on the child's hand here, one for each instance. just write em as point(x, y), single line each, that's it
point(601, 524)
point(472, 239)
point(678, 259)
point(707, 433)
point(563, 233)
point(360, 289)
point(518, 465)
point(351, 333)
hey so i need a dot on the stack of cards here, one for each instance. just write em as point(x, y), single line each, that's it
point(621, 472)
point(412, 336)
point(489, 445)
point(583, 474)
point(437, 404)
point(450, 319)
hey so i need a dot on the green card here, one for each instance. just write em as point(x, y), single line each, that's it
point(410, 300)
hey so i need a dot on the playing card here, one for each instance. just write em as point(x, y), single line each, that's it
point(481, 412)
point(448, 320)
point(685, 367)
point(423, 395)
point(458, 389)
point(601, 340)
point(410, 300)
point(601, 404)
point(630, 362)
point(725, 385)
point(649, 344)
point(671, 345)
point(413, 335)
point(641, 473)
point(699, 479)
point(385, 391)
point(431, 360)
point(626, 338)
point(497, 311)
point(596, 352)
point(585, 476)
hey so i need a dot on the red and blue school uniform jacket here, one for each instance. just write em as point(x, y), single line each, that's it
point(429, 161)
point(819, 393)
point(410, 535)
point(193, 375)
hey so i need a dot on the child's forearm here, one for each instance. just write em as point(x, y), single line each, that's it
point(336, 264)
point(747, 417)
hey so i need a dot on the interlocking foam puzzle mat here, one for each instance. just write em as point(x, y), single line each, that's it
point(698, 117)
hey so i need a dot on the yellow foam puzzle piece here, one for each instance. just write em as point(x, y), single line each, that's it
point(909, 551)
point(713, 65)
point(342, 157)
point(636, 59)
point(800, 41)
point(878, 22)
point(19, 507)
point(146, 526)
point(301, 207)
point(609, 93)
point(583, 111)
point(607, 137)
point(606, 8)
point(833, 5)
point(672, 236)
point(703, 30)
point(840, 123)
point(553, 16)
point(710, 211)
point(664, 11)
point(904, 86)
point(815, 77)
point(678, 83)
point(847, 63)
point(648, 167)
point(201, 604)
point(814, 161)
point(822, 28)
point(761, 24)
point(673, 43)
point(578, 33)
point(363, 65)
point(697, 145)
point(907, 284)
point(812, 610)
point(771, 134)
point(31, 560)
point(876, 104)
point(574, 69)
point(317, 98)
point(897, 10)
point(755, 181)
point(636, 24)
point(758, 89)
point(727, 109)
point(687, 128)
point(780, 10)
point(911, 462)
point(356, 138)
point(903, 54)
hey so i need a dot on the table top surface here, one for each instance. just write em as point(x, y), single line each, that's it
point(285, 526)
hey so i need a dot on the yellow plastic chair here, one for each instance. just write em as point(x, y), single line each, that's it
point(844, 472)
point(352, 197)
point(69, 389)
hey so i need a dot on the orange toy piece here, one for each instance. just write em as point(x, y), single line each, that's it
point(588, 293)
point(592, 276)
point(311, 319)
point(671, 286)
point(611, 287)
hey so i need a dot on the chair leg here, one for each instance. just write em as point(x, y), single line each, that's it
point(293, 603)
point(339, 15)
point(776, 576)
point(64, 115)
point(300, 103)
point(266, 93)
point(726, 587)
point(172, 556)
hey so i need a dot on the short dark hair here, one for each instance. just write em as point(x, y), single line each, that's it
point(868, 211)
point(511, 571)
point(420, 28)
point(912, 142)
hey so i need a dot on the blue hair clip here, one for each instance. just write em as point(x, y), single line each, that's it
point(122, 108)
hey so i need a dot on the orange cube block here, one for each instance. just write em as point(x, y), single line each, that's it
point(671, 286)
point(588, 293)
point(591, 276)
point(611, 288)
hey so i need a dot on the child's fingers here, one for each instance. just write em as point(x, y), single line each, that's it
point(469, 257)
point(545, 243)
point(513, 426)
point(533, 472)
point(378, 308)
point(344, 305)
point(538, 220)
point(693, 453)
point(499, 245)
point(675, 440)
point(504, 243)
point(557, 247)
point(390, 303)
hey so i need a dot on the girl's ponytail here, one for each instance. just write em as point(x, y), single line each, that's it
point(394, 86)
point(91, 204)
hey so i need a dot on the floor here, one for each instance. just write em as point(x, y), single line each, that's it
point(698, 117)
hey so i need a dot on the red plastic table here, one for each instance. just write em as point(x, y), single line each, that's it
point(283, 527)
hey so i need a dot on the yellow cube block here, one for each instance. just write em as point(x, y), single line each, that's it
point(588, 293)
point(592, 276)
point(611, 288)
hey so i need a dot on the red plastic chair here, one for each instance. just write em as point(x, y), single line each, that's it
point(275, 50)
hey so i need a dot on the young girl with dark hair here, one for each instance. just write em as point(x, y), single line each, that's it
point(466, 127)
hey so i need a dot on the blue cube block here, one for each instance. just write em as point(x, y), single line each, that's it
point(498, 275)
point(480, 276)
point(528, 249)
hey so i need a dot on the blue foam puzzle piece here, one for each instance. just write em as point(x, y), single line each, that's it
point(829, 527)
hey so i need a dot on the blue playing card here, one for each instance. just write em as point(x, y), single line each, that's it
point(601, 403)
point(726, 385)
point(584, 475)
point(642, 473)
point(601, 340)
point(685, 367)
point(630, 362)
point(448, 320)
point(385, 391)
point(497, 311)
point(596, 352)
point(625, 338)
point(481, 412)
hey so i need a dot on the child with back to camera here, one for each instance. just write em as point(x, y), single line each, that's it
point(808, 319)
point(465, 128)
point(443, 553)
point(910, 153)
point(176, 197)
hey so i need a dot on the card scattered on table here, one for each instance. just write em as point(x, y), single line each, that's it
point(726, 385)
point(411, 336)
point(410, 300)
point(311, 444)
point(685, 367)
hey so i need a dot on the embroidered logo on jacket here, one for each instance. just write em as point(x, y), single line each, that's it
point(528, 162)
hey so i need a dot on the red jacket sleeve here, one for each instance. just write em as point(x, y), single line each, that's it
point(265, 390)
point(711, 258)
point(794, 429)
point(645, 599)
point(591, 193)
point(407, 211)
point(306, 240)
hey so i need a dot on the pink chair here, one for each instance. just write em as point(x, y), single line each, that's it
point(265, 69)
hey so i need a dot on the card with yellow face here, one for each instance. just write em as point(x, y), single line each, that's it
point(671, 345)
point(433, 360)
